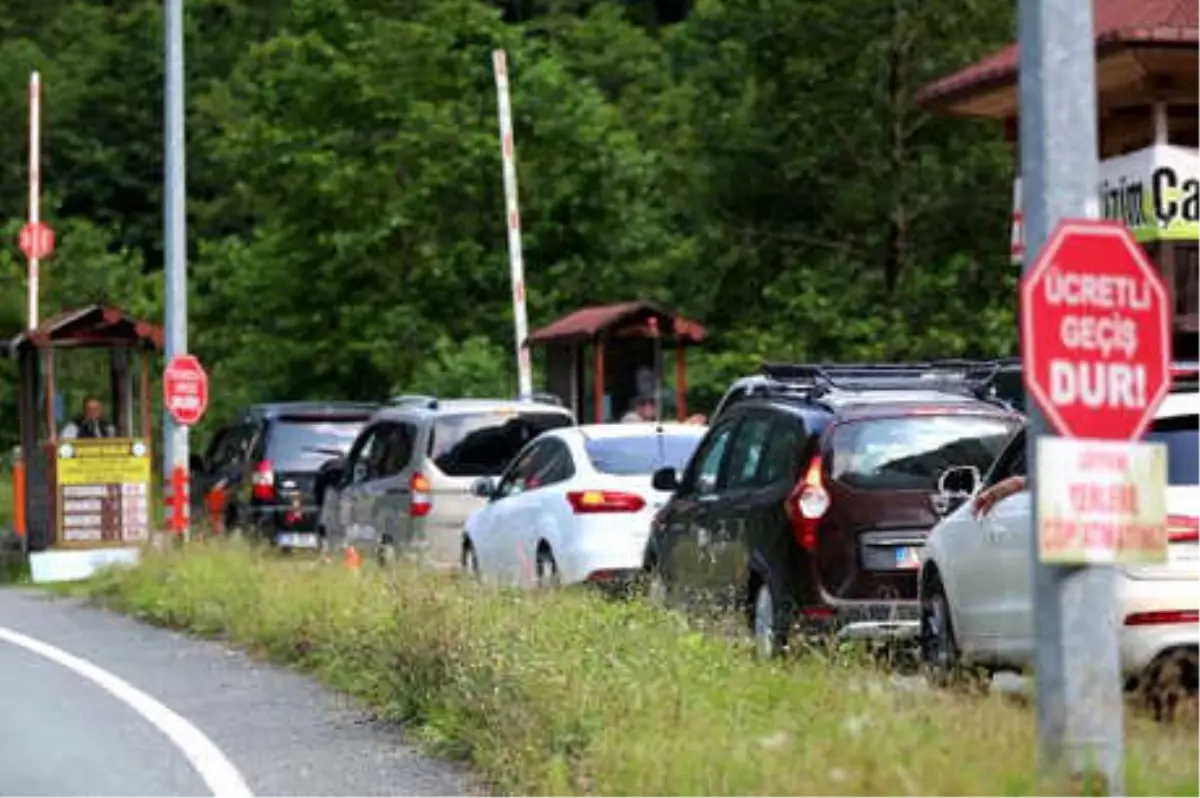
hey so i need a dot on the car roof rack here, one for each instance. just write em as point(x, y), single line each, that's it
point(428, 402)
point(814, 380)
point(543, 397)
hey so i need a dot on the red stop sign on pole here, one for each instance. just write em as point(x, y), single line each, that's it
point(185, 389)
point(37, 240)
point(1095, 332)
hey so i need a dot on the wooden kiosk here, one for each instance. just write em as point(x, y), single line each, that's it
point(85, 501)
point(1146, 83)
point(624, 339)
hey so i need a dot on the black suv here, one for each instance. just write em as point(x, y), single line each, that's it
point(259, 472)
point(811, 496)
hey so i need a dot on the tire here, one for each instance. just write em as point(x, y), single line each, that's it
point(547, 570)
point(767, 622)
point(939, 650)
point(470, 562)
point(657, 592)
point(385, 553)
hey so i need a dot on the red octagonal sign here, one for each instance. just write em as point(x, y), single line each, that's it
point(185, 389)
point(1095, 332)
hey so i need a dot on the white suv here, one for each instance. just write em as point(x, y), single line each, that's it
point(405, 487)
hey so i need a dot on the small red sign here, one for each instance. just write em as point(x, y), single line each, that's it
point(185, 389)
point(1095, 332)
point(37, 240)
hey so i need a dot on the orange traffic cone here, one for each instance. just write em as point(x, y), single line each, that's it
point(353, 558)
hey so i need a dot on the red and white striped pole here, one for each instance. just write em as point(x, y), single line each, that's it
point(35, 185)
point(516, 261)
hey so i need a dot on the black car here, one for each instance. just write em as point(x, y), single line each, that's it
point(264, 467)
point(810, 498)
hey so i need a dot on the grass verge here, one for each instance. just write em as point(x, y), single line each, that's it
point(570, 694)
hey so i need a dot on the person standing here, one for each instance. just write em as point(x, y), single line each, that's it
point(91, 424)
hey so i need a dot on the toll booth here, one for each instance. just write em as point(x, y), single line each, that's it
point(1148, 132)
point(84, 502)
point(599, 359)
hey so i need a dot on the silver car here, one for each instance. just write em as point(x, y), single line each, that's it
point(405, 487)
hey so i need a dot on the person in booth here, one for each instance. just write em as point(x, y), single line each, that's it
point(644, 410)
point(91, 424)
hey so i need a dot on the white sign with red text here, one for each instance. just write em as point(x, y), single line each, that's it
point(1101, 502)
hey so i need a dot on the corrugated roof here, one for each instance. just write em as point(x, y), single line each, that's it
point(1165, 22)
point(587, 323)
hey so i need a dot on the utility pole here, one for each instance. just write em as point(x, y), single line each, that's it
point(1079, 709)
point(175, 435)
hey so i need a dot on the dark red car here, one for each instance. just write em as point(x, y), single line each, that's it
point(810, 498)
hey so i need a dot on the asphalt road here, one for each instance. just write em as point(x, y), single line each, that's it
point(93, 703)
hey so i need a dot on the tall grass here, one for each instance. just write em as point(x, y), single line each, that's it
point(571, 694)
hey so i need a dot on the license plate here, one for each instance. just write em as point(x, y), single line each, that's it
point(1183, 553)
point(298, 540)
point(908, 557)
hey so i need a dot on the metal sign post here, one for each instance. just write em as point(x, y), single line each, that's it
point(1075, 612)
point(175, 435)
point(513, 217)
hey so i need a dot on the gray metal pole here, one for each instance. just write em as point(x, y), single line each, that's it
point(175, 436)
point(1076, 617)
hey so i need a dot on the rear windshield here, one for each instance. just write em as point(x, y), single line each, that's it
point(297, 441)
point(643, 454)
point(1181, 434)
point(482, 444)
point(910, 453)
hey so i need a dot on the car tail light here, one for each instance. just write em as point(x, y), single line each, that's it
point(263, 481)
point(1183, 529)
point(1161, 617)
point(807, 505)
point(602, 576)
point(420, 496)
point(604, 501)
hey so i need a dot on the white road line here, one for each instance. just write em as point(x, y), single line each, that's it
point(209, 763)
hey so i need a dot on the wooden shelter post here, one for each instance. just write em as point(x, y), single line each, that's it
point(680, 379)
point(598, 382)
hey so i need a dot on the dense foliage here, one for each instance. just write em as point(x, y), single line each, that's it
point(760, 165)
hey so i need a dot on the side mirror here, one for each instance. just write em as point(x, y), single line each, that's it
point(332, 471)
point(665, 479)
point(196, 464)
point(484, 488)
point(955, 486)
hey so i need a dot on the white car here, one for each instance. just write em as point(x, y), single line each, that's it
point(975, 582)
point(575, 505)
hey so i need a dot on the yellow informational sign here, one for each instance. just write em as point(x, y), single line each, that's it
point(105, 461)
point(103, 490)
point(1101, 502)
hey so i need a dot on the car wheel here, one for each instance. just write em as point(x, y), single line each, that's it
point(547, 570)
point(385, 552)
point(657, 594)
point(939, 651)
point(470, 561)
point(770, 634)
